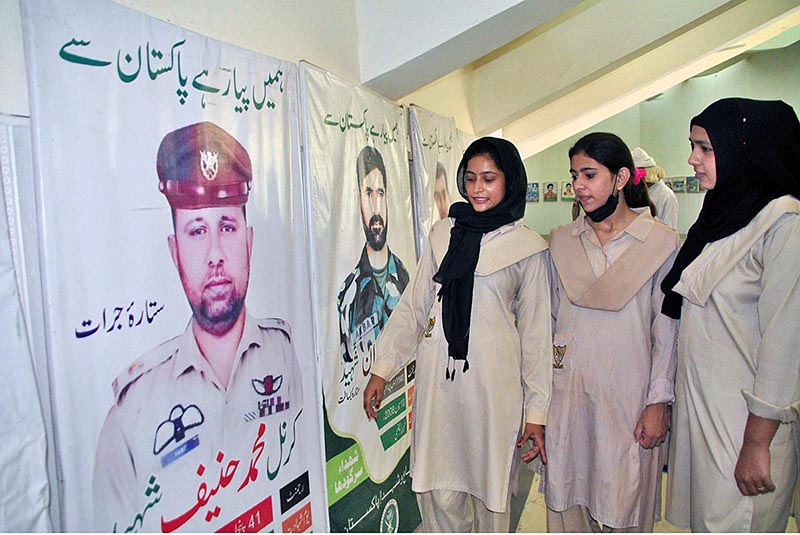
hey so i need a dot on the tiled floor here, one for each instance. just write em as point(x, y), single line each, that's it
point(533, 515)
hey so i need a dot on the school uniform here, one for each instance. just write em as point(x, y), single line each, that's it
point(465, 428)
point(665, 202)
point(613, 354)
point(739, 348)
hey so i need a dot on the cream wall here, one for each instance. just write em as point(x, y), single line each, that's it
point(448, 96)
point(323, 33)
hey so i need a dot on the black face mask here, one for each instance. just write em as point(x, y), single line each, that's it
point(606, 210)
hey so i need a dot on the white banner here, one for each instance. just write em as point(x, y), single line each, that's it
point(435, 154)
point(362, 256)
point(148, 141)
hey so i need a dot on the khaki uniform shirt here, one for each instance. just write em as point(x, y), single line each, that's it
point(665, 202)
point(465, 430)
point(608, 366)
point(739, 352)
point(179, 451)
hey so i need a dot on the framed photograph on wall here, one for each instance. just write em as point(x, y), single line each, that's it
point(550, 192)
point(532, 193)
point(692, 184)
point(678, 184)
point(567, 193)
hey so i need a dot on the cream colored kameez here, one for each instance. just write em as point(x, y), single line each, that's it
point(614, 354)
point(739, 352)
point(465, 430)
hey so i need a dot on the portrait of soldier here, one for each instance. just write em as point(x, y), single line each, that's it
point(372, 290)
point(550, 193)
point(202, 427)
point(441, 195)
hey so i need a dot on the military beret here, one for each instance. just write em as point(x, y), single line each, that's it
point(201, 166)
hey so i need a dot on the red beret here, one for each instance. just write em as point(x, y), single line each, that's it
point(201, 166)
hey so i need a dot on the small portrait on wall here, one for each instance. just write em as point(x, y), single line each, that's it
point(678, 184)
point(550, 192)
point(692, 184)
point(532, 193)
point(567, 193)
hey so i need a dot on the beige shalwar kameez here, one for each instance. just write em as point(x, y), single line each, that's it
point(614, 354)
point(465, 430)
point(739, 352)
point(665, 202)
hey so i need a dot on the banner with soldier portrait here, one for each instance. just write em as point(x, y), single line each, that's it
point(435, 154)
point(362, 254)
point(175, 276)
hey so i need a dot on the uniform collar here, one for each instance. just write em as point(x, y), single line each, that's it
point(188, 354)
point(500, 230)
point(364, 265)
point(639, 227)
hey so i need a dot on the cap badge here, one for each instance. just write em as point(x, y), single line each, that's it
point(209, 164)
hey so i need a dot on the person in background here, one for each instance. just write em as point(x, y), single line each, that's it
point(476, 315)
point(663, 198)
point(613, 352)
point(735, 285)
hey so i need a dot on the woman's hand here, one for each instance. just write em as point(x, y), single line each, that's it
point(373, 395)
point(652, 427)
point(535, 433)
point(752, 472)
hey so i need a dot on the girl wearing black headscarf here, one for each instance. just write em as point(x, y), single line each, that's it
point(477, 315)
point(736, 287)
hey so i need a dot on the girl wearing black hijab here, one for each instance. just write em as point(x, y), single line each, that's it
point(477, 315)
point(735, 285)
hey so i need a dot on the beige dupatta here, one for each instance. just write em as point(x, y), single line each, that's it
point(617, 285)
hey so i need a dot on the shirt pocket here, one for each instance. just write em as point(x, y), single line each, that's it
point(563, 350)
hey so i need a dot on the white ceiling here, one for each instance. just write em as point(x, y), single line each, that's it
point(542, 70)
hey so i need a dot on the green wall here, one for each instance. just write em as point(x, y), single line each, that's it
point(661, 127)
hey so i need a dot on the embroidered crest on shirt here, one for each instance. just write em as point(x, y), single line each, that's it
point(429, 327)
point(558, 356)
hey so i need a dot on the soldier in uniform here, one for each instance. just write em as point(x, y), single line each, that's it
point(372, 290)
point(441, 196)
point(202, 432)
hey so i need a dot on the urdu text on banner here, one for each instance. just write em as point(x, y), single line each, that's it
point(362, 256)
point(175, 274)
